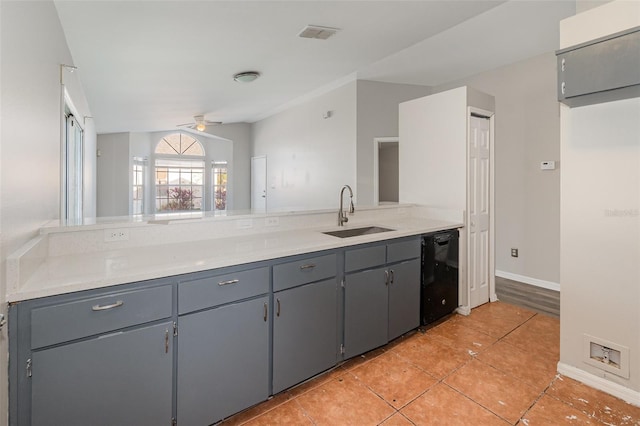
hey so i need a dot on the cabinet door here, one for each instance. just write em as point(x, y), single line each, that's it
point(404, 297)
point(304, 333)
point(223, 361)
point(119, 379)
point(366, 311)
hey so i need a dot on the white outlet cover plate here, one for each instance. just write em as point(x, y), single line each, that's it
point(548, 165)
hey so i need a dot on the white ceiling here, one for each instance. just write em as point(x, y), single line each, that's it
point(149, 65)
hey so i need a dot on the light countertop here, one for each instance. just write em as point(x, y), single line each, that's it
point(57, 274)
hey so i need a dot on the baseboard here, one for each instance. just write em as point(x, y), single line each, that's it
point(463, 310)
point(600, 383)
point(528, 280)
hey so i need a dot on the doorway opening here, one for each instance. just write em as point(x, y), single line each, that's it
point(386, 171)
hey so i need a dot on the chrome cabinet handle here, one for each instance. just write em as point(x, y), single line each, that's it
point(221, 283)
point(166, 341)
point(391, 276)
point(307, 266)
point(265, 312)
point(105, 307)
point(386, 277)
point(277, 307)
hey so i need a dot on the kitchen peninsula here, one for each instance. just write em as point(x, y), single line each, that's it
point(230, 309)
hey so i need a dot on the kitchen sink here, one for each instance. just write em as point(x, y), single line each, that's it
point(355, 232)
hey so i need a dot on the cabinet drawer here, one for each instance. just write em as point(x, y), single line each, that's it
point(74, 320)
point(403, 250)
point(219, 289)
point(364, 258)
point(304, 271)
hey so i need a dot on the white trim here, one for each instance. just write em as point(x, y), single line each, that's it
point(376, 164)
point(492, 207)
point(463, 310)
point(600, 383)
point(528, 280)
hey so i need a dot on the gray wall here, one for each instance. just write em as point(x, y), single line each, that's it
point(240, 134)
point(113, 175)
point(118, 149)
point(377, 116)
point(527, 131)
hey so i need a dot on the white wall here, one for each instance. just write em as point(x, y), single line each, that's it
point(377, 116)
point(600, 249)
point(33, 47)
point(433, 135)
point(527, 200)
point(600, 218)
point(309, 157)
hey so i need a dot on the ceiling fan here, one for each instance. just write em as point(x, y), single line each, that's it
point(199, 123)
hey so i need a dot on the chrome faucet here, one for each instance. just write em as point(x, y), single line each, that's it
point(342, 217)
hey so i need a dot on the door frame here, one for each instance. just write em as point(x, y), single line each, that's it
point(464, 281)
point(252, 189)
point(376, 163)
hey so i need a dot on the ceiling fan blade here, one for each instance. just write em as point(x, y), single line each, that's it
point(186, 125)
point(212, 123)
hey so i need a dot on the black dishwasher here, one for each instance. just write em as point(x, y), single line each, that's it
point(439, 283)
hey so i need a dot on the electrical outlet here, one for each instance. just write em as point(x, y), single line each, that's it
point(244, 224)
point(514, 252)
point(111, 235)
point(272, 221)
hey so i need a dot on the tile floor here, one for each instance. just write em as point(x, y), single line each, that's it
point(495, 367)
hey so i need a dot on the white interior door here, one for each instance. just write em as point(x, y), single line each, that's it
point(478, 208)
point(259, 184)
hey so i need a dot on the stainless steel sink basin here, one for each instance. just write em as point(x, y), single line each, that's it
point(355, 232)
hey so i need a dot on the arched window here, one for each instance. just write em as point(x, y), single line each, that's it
point(179, 144)
point(179, 173)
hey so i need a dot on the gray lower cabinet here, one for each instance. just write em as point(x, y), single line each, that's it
point(223, 361)
point(382, 301)
point(366, 313)
point(404, 297)
point(123, 378)
point(304, 332)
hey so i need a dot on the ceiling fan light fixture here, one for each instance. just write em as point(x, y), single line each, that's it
point(201, 127)
point(246, 77)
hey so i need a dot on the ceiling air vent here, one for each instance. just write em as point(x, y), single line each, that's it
point(314, 31)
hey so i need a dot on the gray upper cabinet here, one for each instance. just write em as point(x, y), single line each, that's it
point(223, 361)
point(602, 70)
point(120, 379)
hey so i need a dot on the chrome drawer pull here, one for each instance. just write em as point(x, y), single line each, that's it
point(105, 307)
point(307, 266)
point(228, 282)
